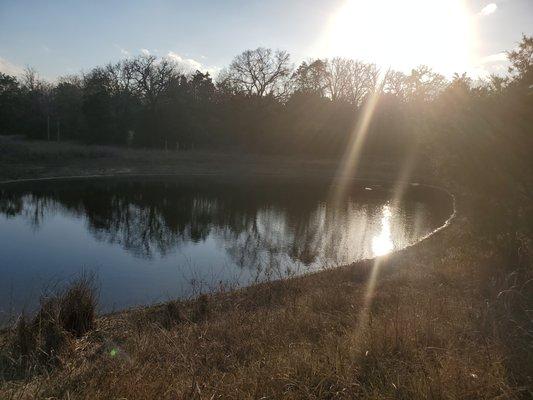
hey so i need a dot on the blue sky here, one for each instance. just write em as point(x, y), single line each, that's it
point(64, 37)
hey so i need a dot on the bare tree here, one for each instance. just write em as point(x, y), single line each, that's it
point(396, 84)
point(337, 78)
point(424, 85)
point(30, 79)
point(151, 76)
point(363, 79)
point(122, 77)
point(350, 80)
point(40, 94)
point(259, 72)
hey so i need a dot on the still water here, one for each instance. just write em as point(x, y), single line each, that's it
point(149, 239)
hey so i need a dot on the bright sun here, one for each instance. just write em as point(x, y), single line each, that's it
point(403, 34)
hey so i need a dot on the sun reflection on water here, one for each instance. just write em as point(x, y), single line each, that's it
point(382, 243)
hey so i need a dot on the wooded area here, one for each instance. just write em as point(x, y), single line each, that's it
point(261, 103)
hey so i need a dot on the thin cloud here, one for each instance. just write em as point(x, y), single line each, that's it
point(494, 58)
point(9, 68)
point(488, 9)
point(191, 65)
point(123, 51)
point(491, 64)
point(188, 63)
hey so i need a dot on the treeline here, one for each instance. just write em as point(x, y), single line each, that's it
point(260, 102)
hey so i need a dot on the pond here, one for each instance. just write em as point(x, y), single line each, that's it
point(152, 238)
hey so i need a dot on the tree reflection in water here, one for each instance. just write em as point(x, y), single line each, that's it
point(274, 228)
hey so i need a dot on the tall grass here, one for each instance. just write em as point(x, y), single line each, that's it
point(35, 344)
point(450, 318)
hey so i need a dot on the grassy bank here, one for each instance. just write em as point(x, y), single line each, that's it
point(20, 159)
point(448, 318)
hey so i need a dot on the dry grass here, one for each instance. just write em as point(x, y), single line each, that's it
point(33, 346)
point(20, 159)
point(442, 324)
point(449, 318)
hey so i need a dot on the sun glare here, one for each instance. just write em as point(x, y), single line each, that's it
point(382, 243)
point(403, 34)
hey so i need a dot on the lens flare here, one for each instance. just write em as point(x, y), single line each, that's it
point(347, 169)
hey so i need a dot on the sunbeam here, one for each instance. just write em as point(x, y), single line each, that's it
point(347, 169)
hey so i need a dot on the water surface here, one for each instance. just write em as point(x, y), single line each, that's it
point(153, 238)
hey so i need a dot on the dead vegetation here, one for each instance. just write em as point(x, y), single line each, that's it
point(21, 159)
point(449, 318)
point(34, 345)
point(445, 322)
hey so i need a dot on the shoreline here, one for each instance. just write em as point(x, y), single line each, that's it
point(369, 181)
point(421, 308)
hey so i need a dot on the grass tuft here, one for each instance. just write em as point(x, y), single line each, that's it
point(34, 345)
point(77, 306)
